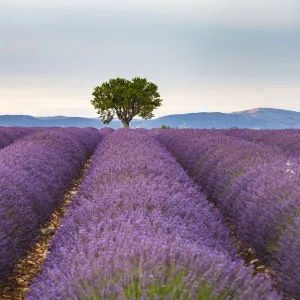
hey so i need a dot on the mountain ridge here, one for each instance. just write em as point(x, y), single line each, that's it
point(255, 118)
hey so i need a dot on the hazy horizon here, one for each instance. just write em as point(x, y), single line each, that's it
point(205, 56)
point(250, 111)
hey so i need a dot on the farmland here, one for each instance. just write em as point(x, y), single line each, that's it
point(157, 214)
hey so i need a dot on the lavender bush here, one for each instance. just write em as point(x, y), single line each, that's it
point(265, 204)
point(254, 186)
point(35, 172)
point(11, 134)
point(288, 262)
point(139, 228)
point(286, 141)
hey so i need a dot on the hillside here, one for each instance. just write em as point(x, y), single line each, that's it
point(263, 118)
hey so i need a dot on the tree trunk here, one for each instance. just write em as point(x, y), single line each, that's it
point(125, 123)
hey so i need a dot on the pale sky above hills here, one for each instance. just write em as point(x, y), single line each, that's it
point(204, 55)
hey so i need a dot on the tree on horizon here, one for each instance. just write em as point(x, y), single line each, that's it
point(126, 99)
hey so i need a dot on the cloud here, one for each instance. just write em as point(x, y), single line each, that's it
point(211, 53)
point(113, 44)
point(246, 13)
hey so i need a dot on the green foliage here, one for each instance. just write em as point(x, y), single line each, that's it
point(126, 99)
point(165, 127)
point(169, 284)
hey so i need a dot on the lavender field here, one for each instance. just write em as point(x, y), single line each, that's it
point(158, 214)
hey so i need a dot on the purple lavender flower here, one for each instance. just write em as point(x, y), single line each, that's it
point(254, 184)
point(10, 134)
point(139, 227)
point(35, 173)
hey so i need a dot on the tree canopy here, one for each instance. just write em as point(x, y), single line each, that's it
point(126, 99)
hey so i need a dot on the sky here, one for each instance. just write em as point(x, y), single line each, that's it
point(204, 55)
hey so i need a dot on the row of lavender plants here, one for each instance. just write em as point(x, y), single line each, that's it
point(253, 188)
point(35, 172)
point(10, 134)
point(139, 228)
point(287, 141)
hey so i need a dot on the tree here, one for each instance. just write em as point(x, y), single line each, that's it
point(126, 99)
point(165, 126)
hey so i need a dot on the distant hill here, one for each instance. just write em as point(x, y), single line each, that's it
point(262, 118)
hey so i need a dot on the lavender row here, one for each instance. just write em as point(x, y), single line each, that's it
point(286, 141)
point(254, 186)
point(10, 134)
point(140, 229)
point(35, 173)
